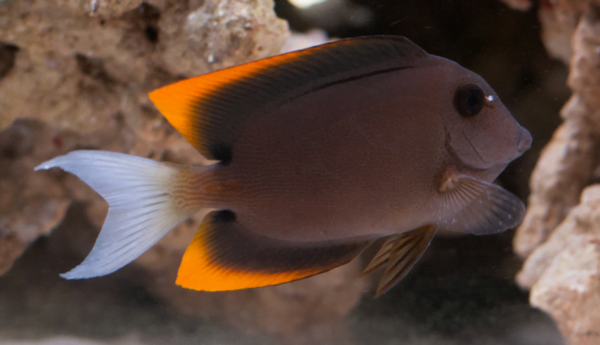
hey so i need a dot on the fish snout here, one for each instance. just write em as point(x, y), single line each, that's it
point(525, 140)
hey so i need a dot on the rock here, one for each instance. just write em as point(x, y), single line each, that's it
point(568, 162)
point(298, 41)
point(331, 15)
point(222, 33)
point(559, 19)
point(107, 55)
point(30, 204)
point(559, 237)
point(584, 219)
point(562, 171)
point(569, 290)
point(521, 5)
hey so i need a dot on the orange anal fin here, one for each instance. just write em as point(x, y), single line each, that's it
point(225, 256)
point(405, 252)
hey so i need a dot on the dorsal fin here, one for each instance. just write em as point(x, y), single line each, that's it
point(211, 109)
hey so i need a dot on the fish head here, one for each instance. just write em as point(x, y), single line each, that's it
point(481, 135)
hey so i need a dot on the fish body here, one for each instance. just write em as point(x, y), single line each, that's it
point(320, 152)
point(340, 188)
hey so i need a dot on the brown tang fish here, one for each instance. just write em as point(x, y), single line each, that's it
point(320, 152)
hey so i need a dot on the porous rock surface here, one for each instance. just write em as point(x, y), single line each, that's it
point(107, 55)
point(560, 237)
point(559, 18)
point(522, 5)
point(563, 273)
point(568, 163)
point(584, 219)
point(569, 289)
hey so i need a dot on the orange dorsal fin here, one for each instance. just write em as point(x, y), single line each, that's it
point(224, 256)
point(211, 110)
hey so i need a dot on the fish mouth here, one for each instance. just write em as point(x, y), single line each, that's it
point(524, 141)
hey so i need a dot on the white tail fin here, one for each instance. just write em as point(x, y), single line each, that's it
point(141, 210)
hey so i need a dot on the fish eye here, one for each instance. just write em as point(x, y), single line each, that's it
point(468, 100)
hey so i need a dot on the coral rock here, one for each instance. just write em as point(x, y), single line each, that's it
point(568, 162)
point(521, 5)
point(564, 168)
point(560, 239)
point(107, 55)
point(569, 290)
point(30, 204)
point(310, 38)
point(583, 219)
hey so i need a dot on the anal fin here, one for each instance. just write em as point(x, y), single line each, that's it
point(382, 256)
point(226, 256)
point(401, 253)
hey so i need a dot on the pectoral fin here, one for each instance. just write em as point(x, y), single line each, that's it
point(404, 253)
point(469, 205)
point(226, 256)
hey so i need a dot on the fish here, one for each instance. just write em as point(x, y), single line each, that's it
point(317, 154)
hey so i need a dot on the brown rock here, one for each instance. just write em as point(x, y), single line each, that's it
point(30, 204)
point(564, 168)
point(220, 33)
point(569, 290)
point(583, 219)
point(297, 41)
point(568, 162)
point(521, 5)
point(559, 19)
point(561, 239)
point(108, 54)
